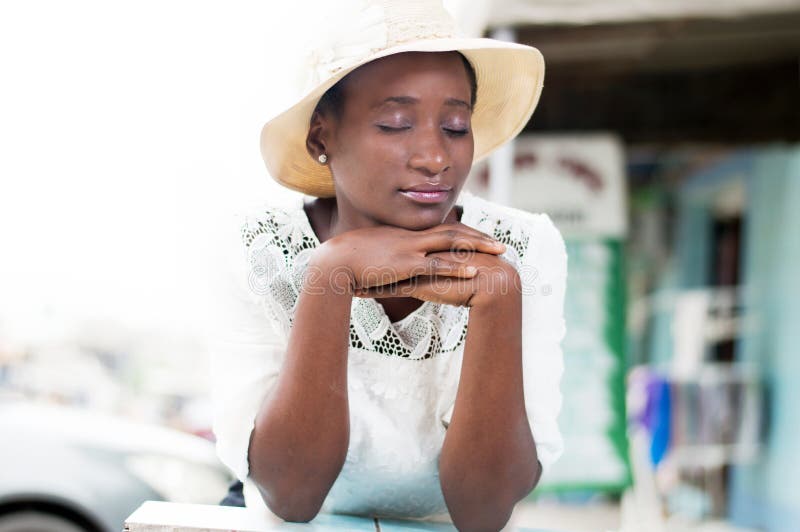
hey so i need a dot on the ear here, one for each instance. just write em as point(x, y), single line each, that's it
point(318, 135)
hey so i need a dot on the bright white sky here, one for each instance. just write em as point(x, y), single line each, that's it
point(126, 128)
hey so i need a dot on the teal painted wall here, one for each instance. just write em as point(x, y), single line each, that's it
point(766, 494)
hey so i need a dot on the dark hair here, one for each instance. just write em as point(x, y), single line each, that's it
point(332, 101)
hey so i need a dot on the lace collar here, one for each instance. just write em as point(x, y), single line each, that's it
point(279, 242)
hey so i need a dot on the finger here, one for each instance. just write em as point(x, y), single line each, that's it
point(437, 265)
point(437, 290)
point(458, 239)
point(458, 226)
point(440, 264)
point(400, 289)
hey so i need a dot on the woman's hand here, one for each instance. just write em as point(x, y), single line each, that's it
point(495, 278)
point(378, 256)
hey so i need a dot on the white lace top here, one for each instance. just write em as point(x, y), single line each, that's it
point(402, 376)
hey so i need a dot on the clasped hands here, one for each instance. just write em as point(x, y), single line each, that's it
point(450, 263)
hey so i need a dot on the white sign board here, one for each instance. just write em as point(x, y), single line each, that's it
point(579, 180)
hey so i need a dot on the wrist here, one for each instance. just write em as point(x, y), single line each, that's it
point(327, 273)
point(498, 288)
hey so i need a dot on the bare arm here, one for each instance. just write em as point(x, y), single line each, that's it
point(301, 434)
point(489, 461)
point(302, 431)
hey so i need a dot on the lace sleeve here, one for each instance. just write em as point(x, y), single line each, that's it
point(246, 350)
point(537, 248)
point(543, 270)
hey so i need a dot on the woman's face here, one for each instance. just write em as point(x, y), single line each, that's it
point(401, 147)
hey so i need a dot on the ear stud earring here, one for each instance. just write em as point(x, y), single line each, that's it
point(322, 158)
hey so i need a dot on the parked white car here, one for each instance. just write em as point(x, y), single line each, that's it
point(67, 470)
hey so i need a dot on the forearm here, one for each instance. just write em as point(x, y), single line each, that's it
point(301, 433)
point(488, 460)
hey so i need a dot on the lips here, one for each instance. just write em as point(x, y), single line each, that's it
point(427, 187)
point(427, 192)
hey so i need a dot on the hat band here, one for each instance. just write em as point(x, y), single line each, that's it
point(380, 25)
point(417, 20)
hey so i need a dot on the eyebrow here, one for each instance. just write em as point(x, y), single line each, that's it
point(457, 103)
point(403, 100)
point(409, 100)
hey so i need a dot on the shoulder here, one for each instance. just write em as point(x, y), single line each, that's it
point(268, 220)
point(530, 237)
point(246, 236)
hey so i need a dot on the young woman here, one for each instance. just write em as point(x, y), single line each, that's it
point(385, 349)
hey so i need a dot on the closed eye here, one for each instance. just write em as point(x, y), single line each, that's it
point(392, 129)
point(456, 132)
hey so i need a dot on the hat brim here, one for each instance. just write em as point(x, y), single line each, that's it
point(509, 77)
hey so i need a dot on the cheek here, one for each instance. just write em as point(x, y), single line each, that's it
point(383, 146)
point(371, 154)
point(366, 161)
point(462, 153)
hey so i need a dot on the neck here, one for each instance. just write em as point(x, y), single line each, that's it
point(344, 218)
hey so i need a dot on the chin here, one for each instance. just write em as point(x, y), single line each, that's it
point(420, 219)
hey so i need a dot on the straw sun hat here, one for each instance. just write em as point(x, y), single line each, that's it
point(509, 77)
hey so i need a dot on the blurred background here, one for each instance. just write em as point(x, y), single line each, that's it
point(666, 147)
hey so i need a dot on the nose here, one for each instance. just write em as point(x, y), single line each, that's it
point(430, 155)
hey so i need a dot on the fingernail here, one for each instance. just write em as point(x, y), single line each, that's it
point(470, 270)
